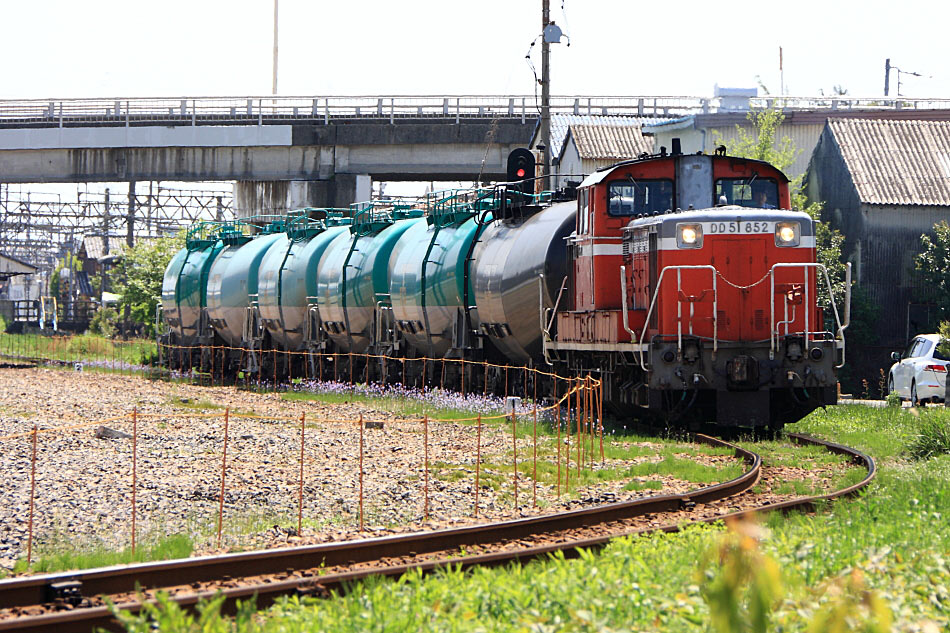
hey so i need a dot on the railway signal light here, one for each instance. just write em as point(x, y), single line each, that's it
point(521, 166)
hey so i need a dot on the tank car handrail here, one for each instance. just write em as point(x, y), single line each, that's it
point(679, 307)
point(546, 323)
point(773, 331)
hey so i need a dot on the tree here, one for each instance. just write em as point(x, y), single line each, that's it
point(137, 277)
point(934, 265)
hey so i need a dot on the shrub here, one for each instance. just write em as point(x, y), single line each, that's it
point(892, 399)
point(933, 438)
point(103, 322)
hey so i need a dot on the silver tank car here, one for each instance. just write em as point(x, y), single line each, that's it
point(509, 259)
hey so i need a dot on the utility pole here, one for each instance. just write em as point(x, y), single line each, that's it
point(545, 96)
point(130, 218)
point(105, 248)
point(274, 85)
point(781, 73)
point(887, 76)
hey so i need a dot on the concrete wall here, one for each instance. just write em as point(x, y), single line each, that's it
point(278, 197)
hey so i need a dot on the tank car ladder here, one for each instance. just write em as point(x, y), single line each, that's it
point(252, 334)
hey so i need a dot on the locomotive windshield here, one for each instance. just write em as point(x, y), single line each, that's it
point(632, 197)
point(761, 193)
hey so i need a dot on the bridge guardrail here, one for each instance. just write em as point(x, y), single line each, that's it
point(262, 110)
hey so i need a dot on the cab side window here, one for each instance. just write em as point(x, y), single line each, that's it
point(582, 211)
point(633, 197)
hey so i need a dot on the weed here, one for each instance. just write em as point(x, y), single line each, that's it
point(169, 547)
point(932, 439)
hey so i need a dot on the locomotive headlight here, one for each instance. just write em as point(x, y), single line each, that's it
point(787, 233)
point(689, 235)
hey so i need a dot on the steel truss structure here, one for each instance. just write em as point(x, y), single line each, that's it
point(38, 229)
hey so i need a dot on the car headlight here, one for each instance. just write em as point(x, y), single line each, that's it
point(787, 233)
point(689, 235)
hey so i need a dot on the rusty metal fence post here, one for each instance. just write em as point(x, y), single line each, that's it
point(534, 476)
point(135, 434)
point(224, 466)
point(361, 467)
point(303, 418)
point(29, 537)
point(514, 455)
point(578, 423)
point(478, 459)
point(600, 417)
point(425, 442)
point(558, 419)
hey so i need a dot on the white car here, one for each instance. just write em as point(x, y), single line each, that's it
point(920, 374)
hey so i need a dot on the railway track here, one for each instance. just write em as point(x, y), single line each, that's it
point(73, 601)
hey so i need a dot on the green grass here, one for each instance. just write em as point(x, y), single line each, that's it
point(497, 469)
point(201, 405)
point(648, 484)
point(169, 547)
point(933, 438)
point(885, 552)
point(82, 347)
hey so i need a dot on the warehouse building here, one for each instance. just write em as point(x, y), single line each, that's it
point(885, 183)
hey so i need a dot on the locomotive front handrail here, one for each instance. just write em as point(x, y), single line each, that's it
point(679, 307)
point(773, 330)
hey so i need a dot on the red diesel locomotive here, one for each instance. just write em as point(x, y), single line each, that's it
point(694, 292)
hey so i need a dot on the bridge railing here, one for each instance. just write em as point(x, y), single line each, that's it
point(270, 110)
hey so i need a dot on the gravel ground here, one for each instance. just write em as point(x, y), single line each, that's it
point(83, 494)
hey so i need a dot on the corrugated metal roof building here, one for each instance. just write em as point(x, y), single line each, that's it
point(701, 132)
point(588, 147)
point(884, 183)
point(94, 247)
point(561, 125)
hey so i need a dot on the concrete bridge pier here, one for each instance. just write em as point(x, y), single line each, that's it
point(277, 197)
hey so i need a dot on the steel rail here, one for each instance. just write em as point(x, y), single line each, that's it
point(33, 590)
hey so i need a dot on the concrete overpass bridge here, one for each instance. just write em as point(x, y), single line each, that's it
point(287, 152)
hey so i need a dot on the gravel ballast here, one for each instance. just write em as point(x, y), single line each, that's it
point(83, 497)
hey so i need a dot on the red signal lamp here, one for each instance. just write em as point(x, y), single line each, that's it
point(520, 172)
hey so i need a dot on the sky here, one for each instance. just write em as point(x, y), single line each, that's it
point(175, 48)
point(172, 48)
